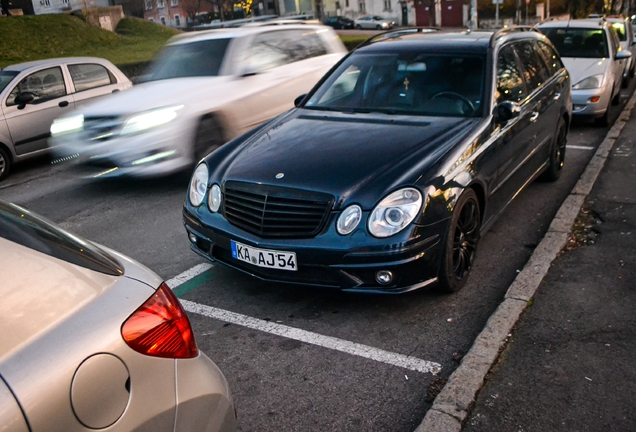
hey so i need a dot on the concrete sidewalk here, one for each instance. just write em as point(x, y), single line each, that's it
point(570, 364)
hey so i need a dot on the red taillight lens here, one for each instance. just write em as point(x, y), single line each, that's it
point(160, 327)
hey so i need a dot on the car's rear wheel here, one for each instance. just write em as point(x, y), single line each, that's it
point(358, 26)
point(461, 242)
point(209, 137)
point(557, 153)
point(5, 163)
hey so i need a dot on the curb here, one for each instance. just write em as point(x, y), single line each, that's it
point(453, 404)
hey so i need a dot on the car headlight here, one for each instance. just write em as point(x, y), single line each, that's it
point(67, 124)
point(395, 212)
point(595, 81)
point(198, 185)
point(214, 198)
point(349, 219)
point(150, 119)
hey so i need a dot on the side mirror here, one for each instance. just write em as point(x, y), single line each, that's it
point(634, 41)
point(506, 110)
point(299, 99)
point(250, 70)
point(623, 55)
point(23, 99)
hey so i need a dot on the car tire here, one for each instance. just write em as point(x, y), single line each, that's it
point(378, 27)
point(625, 81)
point(5, 163)
point(460, 246)
point(358, 27)
point(209, 137)
point(631, 71)
point(557, 153)
point(617, 98)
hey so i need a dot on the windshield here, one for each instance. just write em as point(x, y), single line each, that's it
point(6, 77)
point(413, 83)
point(582, 43)
point(620, 30)
point(193, 59)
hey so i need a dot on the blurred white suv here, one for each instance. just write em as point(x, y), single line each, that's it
point(203, 89)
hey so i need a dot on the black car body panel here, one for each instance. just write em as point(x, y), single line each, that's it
point(328, 158)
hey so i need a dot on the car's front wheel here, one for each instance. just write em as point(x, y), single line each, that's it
point(358, 26)
point(461, 242)
point(5, 164)
point(557, 154)
point(209, 137)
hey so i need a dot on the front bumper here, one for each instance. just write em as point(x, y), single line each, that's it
point(152, 153)
point(582, 105)
point(348, 263)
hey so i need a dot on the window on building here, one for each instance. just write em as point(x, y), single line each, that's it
point(163, 20)
point(174, 2)
point(148, 4)
point(387, 5)
point(161, 4)
point(362, 7)
point(177, 21)
point(45, 3)
point(151, 19)
point(66, 2)
point(346, 3)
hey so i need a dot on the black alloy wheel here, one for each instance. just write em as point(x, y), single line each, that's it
point(461, 243)
point(557, 154)
point(209, 137)
point(5, 163)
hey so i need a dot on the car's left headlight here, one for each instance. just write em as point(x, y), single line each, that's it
point(198, 185)
point(395, 212)
point(150, 119)
point(595, 81)
point(67, 124)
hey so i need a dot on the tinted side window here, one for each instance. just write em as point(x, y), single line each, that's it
point(276, 48)
point(551, 58)
point(510, 85)
point(88, 76)
point(535, 72)
point(45, 85)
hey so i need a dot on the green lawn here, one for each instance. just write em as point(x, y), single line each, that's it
point(29, 38)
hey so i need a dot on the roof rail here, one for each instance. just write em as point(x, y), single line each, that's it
point(507, 30)
point(397, 33)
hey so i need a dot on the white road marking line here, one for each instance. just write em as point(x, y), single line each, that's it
point(188, 274)
point(400, 360)
point(576, 147)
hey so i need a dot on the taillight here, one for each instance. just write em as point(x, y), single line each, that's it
point(160, 327)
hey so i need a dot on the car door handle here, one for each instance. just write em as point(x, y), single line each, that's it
point(556, 96)
point(534, 116)
point(63, 104)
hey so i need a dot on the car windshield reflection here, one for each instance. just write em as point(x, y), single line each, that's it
point(194, 59)
point(407, 83)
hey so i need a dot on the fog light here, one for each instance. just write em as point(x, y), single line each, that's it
point(594, 99)
point(578, 107)
point(193, 238)
point(384, 277)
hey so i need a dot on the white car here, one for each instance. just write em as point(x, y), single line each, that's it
point(591, 52)
point(33, 94)
point(373, 22)
point(625, 33)
point(203, 89)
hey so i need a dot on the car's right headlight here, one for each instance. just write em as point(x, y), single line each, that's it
point(150, 119)
point(198, 185)
point(395, 212)
point(67, 124)
point(595, 81)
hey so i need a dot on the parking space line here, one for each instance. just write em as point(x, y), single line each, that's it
point(186, 281)
point(353, 348)
point(577, 147)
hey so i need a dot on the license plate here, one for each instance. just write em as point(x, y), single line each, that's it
point(264, 257)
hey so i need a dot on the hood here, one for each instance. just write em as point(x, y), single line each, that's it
point(581, 68)
point(350, 156)
point(163, 93)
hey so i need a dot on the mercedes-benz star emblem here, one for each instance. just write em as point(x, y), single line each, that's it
point(280, 175)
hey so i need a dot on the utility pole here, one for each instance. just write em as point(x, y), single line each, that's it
point(473, 15)
point(497, 13)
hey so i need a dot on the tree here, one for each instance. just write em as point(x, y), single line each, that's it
point(191, 7)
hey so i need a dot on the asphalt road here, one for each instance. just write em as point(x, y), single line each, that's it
point(307, 382)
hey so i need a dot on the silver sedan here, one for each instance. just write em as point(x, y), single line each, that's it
point(91, 340)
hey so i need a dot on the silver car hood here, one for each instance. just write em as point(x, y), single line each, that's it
point(190, 92)
point(581, 68)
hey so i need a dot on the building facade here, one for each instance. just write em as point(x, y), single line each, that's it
point(166, 12)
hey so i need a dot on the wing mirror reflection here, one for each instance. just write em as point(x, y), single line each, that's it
point(506, 110)
point(250, 70)
point(23, 99)
point(623, 55)
point(299, 99)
